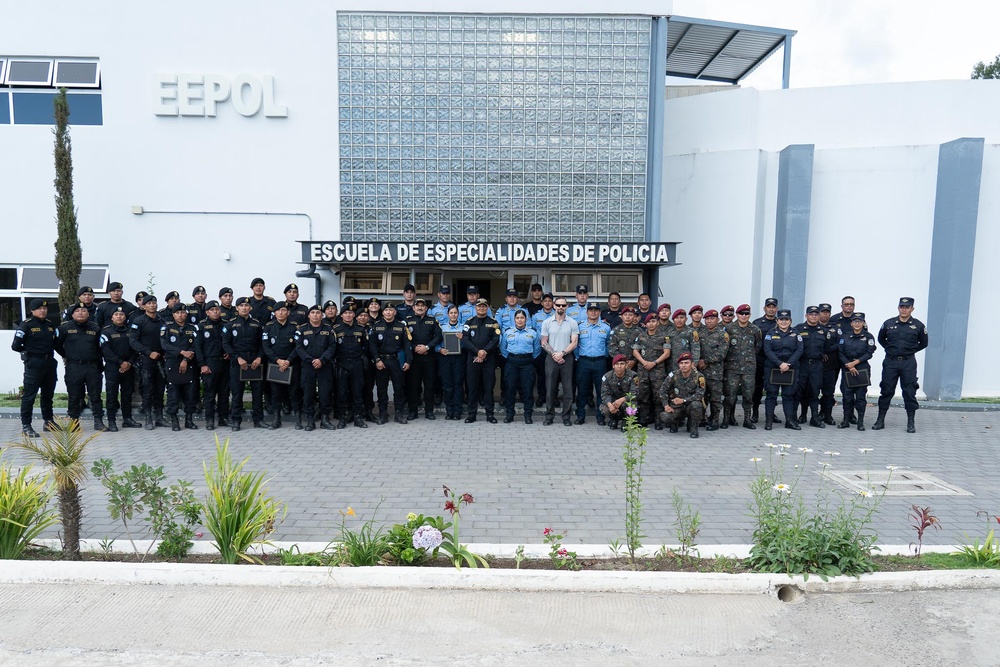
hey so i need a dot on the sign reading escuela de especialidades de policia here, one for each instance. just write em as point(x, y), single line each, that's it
point(474, 252)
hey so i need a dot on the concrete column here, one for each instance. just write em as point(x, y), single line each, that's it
point(791, 230)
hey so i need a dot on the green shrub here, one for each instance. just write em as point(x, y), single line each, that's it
point(24, 512)
point(239, 513)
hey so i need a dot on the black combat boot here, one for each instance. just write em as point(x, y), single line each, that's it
point(342, 423)
point(847, 419)
point(28, 431)
point(777, 420)
point(754, 417)
point(326, 424)
point(175, 423)
point(128, 422)
point(768, 421)
point(112, 426)
point(159, 423)
point(400, 419)
point(276, 422)
point(791, 422)
point(209, 423)
point(150, 424)
point(861, 419)
point(747, 423)
point(298, 420)
point(726, 416)
point(694, 430)
point(359, 422)
point(370, 416)
point(383, 418)
point(816, 422)
point(310, 423)
point(189, 422)
point(911, 427)
point(880, 420)
point(235, 424)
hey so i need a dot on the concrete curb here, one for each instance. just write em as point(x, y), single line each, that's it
point(788, 588)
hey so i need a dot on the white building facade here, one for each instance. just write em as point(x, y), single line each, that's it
point(484, 143)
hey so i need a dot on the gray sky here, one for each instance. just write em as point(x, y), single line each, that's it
point(848, 42)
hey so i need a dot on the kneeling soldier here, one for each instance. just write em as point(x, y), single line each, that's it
point(681, 395)
point(616, 385)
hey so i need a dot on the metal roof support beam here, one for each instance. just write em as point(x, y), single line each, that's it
point(718, 53)
point(786, 67)
point(681, 38)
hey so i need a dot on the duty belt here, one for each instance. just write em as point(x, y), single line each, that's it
point(81, 362)
point(592, 358)
point(900, 357)
point(525, 355)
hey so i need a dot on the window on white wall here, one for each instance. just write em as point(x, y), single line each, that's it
point(77, 74)
point(28, 72)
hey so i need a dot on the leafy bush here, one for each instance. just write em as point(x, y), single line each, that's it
point(238, 510)
point(832, 539)
point(401, 540)
point(24, 513)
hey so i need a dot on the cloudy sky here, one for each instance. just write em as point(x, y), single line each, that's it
point(847, 42)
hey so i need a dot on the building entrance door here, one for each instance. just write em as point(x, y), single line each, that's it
point(492, 285)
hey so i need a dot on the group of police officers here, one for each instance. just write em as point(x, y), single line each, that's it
point(325, 362)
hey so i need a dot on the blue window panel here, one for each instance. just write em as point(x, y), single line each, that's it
point(4, 108)
point(36, 109)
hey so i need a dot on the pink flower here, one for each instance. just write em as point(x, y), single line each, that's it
point(562, 552)
point(450, 506)
point(467, 498)
point(547, 531)
point(198, 534)
point(631, 412)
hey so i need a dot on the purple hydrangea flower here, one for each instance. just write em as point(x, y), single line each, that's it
point(427, 537)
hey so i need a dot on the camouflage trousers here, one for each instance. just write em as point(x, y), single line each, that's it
point(620, 415)
point(739, 384)
point(713, 398)
point(695, 410)
point(647, 393)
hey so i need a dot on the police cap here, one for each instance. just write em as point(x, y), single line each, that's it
point(113, 286)
point(173, 295)
point(547, 295)
point(906, 301)
point(243, 301)
point(444, 289)
point(85, 290)
point(857, 316)
point(256, 281)
point(224, 291)
point(512, 292)
point(421, 301)
point(289, 287)
point(328, 303)
point(375, 300)
point(696, 309)
point(200, 289)
point(482, 302)
point(349, 300)
point(117, 309)
point(149, 298)
point(211, 304)
point(177, 307)
point(593, 306)
point(825, 308)
point(770, 301)
point(281, 304)
point(409, 287)
point(472, 289)
point(582, 289)
point(316, 308)
point(685, 356)
point(139, 296)
point(784, 314)
point(536, 287)
point(78, 305)
point(812, 310)
point(388, 305)
point(38, 303)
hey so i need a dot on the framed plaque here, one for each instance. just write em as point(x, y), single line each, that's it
point(862, 379)
point(452, 342)
point(174, 375)
point(275, 374)
point(782, 379)
point(251, 375)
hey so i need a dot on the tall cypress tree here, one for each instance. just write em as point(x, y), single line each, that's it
point(69, 255)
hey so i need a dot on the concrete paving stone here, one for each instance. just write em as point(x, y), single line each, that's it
point(526, 478)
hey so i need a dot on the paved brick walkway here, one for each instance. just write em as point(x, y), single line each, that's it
point(525, 478)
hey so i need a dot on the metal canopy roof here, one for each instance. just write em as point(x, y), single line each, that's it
point(719, 51)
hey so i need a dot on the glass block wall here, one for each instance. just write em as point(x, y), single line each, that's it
point(485, 128)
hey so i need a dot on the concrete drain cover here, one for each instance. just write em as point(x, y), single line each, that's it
point(899, 483)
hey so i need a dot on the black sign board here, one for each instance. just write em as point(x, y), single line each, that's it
point(475, 252)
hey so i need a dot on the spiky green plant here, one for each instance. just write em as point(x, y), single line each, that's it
point(24, 509)
point(62, 448)
point(238, 510)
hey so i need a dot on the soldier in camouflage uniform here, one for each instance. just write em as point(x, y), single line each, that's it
point(650, 351)
point(623, 336)
point(616, 385)
point(745, 340)
point(681, 395)
point(682, 338)
point(714, 341)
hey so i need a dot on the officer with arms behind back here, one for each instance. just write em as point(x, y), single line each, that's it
point(35, 339)
point(902, 337)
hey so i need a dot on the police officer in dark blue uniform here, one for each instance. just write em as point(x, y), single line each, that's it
point(79, 343)
point(520, 345)
point(815, 340)
point(352, 356)
point(226, 308)
point(104, 310)
point(241, 339)
point(855, 347)
point(278, 343)
point(178, 340)
point(298, 313)
point(425, 333)
point(316, 346)
point(144, 336)
point(119, 369)
point(591, 356)
point(167, 312)
point(782, 349)
point(480, 340)
point(389, 344)
point(902, 337)
point(84, 295)
point(196, 309)
point(214, 366)
point(765, 323)
point(35, 340)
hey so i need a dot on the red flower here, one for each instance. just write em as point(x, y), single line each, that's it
point(547, 531)
point(467, 498)
point(450, 506)
point(447, 491)
point(562, 552)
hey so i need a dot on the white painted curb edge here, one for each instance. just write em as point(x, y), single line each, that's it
point(178, 574)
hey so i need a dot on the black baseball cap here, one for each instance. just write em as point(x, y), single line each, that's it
point(593, 306)
point(408, 287)
point(536, 286)
point(812, 310)
point(770, 301)
point(784, 315)
point(512, 292)
point(582, 289)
